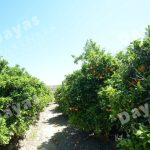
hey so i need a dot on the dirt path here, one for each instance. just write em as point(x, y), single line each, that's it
point(52, 132)
point(43, 131)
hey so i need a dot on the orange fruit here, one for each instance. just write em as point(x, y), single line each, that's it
point(133, 82)
point(141, 68)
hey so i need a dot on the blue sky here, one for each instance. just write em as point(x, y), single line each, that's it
point(41, 35)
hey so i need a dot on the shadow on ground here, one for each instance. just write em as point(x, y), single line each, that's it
point(59, 120)
point(73, 139)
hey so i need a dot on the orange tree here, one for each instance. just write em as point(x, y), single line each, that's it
point(78, 95)
point(22, 97)
point(126, 90)
point(105, 86)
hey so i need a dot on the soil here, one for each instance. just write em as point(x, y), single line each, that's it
point(53, 132)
